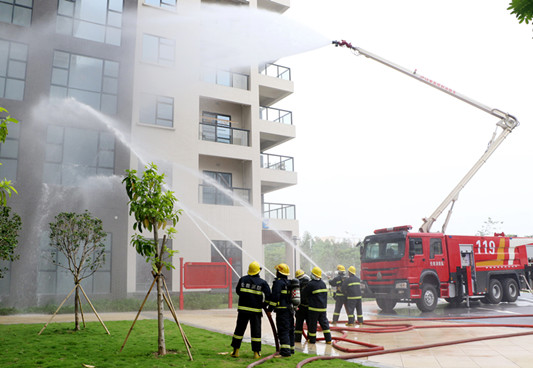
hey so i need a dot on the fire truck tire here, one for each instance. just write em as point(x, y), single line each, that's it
point(495, 292)
point(429, 298)
point(386, 305)
point(510, 290)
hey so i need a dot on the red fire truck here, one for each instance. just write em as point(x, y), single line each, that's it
point(401, 266)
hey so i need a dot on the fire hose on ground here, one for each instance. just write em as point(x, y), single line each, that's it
point(399, 325)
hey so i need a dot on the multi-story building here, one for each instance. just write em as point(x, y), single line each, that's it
point(99, 86)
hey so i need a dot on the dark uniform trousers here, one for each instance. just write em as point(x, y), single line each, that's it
point(285, 325)
point(340, 300)
point(255, 330)
point(352, 304)
point(312, 318)
point(301, 316)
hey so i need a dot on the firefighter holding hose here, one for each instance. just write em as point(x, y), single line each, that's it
point(280, 302)
point(302, 311)
point(250, 289)
point(338, 295)
point(316, 294)
point(351, 287)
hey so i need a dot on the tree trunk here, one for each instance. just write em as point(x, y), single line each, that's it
point(76, 310)
point(162, 350)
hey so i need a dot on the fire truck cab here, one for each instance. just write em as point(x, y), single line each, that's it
point(400, 266)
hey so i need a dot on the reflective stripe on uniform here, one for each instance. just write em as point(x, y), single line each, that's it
point(340, 294)
point(312, 334)
point(354, 297)
point(285, 346)
point(249, 309)
point(252, 291)
point(354, 283)
point(298, 331)
point(320, 291)
point(257, 339)
point(284, 291)
point(336, 314)
point(317, 309)
point(326, 331)
point(237, 337)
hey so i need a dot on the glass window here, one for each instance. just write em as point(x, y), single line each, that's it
point(56, 280)
point(165, 4)
point(9, 151)
point(157, 110)
point(75, 154)
point(415, 246)
point(216, 127)
point(229, 250)
point(16, 11)
point(94, 20)
point(435, 247)
point(13, 60)
point(215, 188)
point(158, 50)
point(89, 80)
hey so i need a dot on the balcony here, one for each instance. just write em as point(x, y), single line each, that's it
point(212, 130)
point(226, 78)
point(274, 83)
point(277, 162)
point(279, 6)
point(275, 115)
point(279, 211)
point(229, 196)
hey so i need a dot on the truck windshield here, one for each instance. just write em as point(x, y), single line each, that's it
point(384, 247)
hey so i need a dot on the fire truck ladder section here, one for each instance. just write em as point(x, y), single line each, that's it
point(506, 122)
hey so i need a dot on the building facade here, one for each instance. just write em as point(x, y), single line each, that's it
point(101, 86)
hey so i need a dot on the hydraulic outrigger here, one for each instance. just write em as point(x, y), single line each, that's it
point(506, 121)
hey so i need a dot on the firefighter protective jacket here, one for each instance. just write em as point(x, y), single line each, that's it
point(304, 280)
point(316, 294)
point(351, 287)
point(336, 282)
point(281, 297)
point(250, 290)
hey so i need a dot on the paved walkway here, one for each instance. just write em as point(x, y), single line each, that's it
point(516, 352)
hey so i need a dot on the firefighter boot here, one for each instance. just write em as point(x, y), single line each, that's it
point(257, 355)
point(235, 353)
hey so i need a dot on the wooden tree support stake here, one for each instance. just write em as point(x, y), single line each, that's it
point(94, 310)
point(170, 306)
point(58, 308)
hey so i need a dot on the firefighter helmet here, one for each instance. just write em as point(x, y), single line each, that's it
point(254, 268)
point(341, 268)
point(317, 272)
point(299, 273)
point(351, 270)
point(283, 268)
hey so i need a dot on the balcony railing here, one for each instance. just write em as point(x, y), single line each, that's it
point(208, 194)
point(224, 134)
point(277, 162)
point(279, 211)
point(276, 71)
point(275, 115)
point(226, 78)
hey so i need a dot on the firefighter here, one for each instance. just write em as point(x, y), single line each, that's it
point(351, 287)
point(316, 294)
point(280, 302)
point(301, 312)
point(250, 289)
point(340, 298)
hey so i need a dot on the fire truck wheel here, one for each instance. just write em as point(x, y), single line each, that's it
point(510, 290)
point(429, 298)
point(386, 305)
point(495, 292)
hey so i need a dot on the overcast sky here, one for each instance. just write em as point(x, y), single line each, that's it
point(376, 148)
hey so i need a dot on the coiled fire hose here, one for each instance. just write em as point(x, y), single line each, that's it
point(393, 325)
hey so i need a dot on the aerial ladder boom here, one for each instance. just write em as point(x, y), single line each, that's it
point(506, 122)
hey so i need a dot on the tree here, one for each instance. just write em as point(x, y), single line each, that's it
point(9, 231)
point(79, 238)
point(489, 227)
point(523, 9)
point(153, 209)
point(6, 189)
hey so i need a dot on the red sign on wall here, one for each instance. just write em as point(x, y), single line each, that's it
point(206, 275)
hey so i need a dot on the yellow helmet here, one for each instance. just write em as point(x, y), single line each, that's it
point(341, 268)
point(283, 269)
point(317, 272)
point(254, 268)
point(299, 273)
point(351, 270)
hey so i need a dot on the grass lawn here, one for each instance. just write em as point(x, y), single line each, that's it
point(60, 346)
